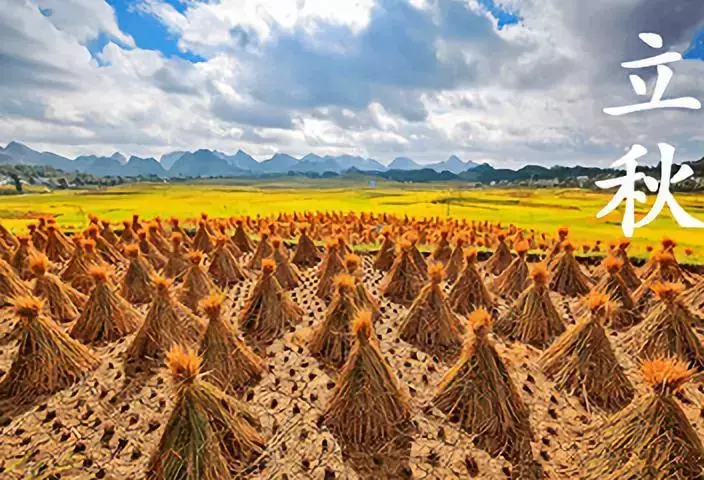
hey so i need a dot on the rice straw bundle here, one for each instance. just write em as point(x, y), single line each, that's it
point(79, 263)
point(443, 250)
point(515, 278)
point(628, 273)
point(65, 302)
point(136, 285)
point(567, 276)
point(268, 311)
point(108, 233)
point(478, 394)
point(105, 249)
point(362, 297)
point(331, 266)
point(224, 267)
point(455, 264)
point(667, 246)
point(416, 256)
point(532, 319)
point(263, 250)
point(286, 273)
point(667, 330)
point(694, 298)
point(150, 252)
point(430, 323)
point(386, 255)
point(166, 324)
point(136, 224)
point(58, 247)
point(156, 238)
point(403, 281)
point(176, 228)
point(8, 237)
point(332, 339)
point(652, 439)
point(197, 284)
point(368, 407)
point(209, 435)
point(469, 293)
point(176, 262)
point(47, 359)
point(38, 237)
point(128, 235)
point(306, 254)
point(556, 249)
point(20, 258)
point(107, 316)
point(241, 238)
point(11, 285)
point(231, 365)
point(202, 240)
point(581, 362)
point(501, 258)
point(666, 270)
point(623, 314)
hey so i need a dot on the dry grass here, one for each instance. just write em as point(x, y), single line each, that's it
point(47, 359)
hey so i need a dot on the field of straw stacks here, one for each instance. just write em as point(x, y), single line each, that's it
point(271, 348)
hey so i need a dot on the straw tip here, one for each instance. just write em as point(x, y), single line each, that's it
point(268, 266)
point(99, 273)
point(352, 262)
point(161, 283)
point(39, 264)
point(404, 245)
point(183, 363)
point(540, 274)
point(667, 291)
point(568, 246)
point(195, 257)
point(344, 283)
point(563, 231)
point(666, 259)
point(668, 243)
point(612, 264)
point(666, 374)
point(436, 272)
point(362, 325)
point(596, 301)
point(212, 304)
point(27, 307)
point(480, 320)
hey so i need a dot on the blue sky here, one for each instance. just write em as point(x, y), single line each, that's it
point(379, 78)
point(148, 32)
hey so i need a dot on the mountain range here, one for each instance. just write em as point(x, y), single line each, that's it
point(212, 163)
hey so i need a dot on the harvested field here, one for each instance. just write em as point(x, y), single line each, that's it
point(109, 424)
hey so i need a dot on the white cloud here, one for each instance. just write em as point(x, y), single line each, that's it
point(380, 78)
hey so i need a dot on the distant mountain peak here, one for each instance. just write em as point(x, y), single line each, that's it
point(119, 157)
point(17, 147)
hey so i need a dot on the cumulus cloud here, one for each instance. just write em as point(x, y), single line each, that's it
point(379, 78)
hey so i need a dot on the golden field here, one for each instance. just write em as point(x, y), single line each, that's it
point(541, 209)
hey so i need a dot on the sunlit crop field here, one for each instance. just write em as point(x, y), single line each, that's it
point(541, 209)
